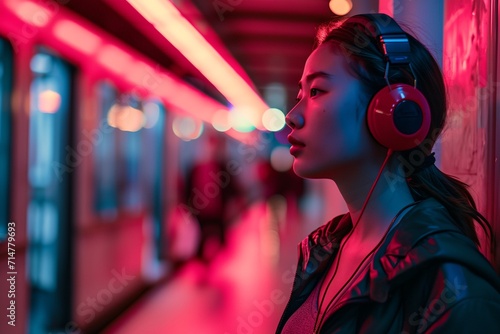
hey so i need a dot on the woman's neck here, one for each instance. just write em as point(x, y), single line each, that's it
point(390, 195)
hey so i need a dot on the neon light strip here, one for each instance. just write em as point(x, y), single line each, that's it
point(167, 19)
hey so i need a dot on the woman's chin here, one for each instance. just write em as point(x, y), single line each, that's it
point(307, 172)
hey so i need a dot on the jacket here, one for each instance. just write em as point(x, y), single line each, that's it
point(426, 277)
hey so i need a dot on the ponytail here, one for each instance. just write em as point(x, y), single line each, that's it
point(454, 195)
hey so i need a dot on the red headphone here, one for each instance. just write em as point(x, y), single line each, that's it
point(398, 115)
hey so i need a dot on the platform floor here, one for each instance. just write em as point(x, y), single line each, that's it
point(243, 291)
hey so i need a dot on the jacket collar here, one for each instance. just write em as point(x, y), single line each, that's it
point(426, 234)
point(316, 250)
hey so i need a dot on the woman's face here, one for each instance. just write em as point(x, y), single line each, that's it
point(329, 134)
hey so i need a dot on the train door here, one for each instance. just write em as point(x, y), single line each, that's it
point(141, 156)
point(50, 174)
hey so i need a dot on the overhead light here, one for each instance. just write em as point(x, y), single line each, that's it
point(76, 36)
point(167, 19)
point(115, 59)
point(340, 7)
point(32, 13)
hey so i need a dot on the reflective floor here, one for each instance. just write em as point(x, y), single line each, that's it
point(244, 289)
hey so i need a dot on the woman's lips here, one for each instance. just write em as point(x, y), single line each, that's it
point(296, 147)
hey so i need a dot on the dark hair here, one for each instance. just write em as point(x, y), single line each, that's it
point(366, 61)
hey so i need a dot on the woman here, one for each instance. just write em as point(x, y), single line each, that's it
point(405, 258)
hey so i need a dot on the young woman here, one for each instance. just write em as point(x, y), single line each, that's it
point(405, 258)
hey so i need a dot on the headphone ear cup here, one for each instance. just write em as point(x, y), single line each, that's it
point(399, 117)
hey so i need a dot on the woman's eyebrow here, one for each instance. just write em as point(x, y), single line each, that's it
point(315, 75)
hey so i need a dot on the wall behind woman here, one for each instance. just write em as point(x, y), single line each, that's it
point(470, 58)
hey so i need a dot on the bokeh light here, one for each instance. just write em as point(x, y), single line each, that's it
point(220, 120)
point(49, 101)
point(130, 119)
point(240, 119)
point(126, 118)
point(273, 119)
point(340, 7)
point(281, 159)
point(113, 115)
point(187, 128)
point(152, 114)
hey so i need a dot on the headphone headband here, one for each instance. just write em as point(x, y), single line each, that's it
point(393, 41)
point(398, 115)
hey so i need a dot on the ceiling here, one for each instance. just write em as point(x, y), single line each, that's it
point(270, 39)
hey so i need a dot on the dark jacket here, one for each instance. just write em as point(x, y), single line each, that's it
point(427, 277)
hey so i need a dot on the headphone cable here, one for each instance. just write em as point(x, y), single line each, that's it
point(388, 155)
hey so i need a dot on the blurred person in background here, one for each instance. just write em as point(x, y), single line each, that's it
point(213, 196)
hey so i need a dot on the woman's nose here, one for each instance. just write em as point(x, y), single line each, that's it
point(294, 120)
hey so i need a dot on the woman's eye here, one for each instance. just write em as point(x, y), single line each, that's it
point(313, 92)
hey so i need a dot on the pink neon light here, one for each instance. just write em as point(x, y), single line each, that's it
point(31, 12)
point(77, 37)
point(80, 41)
point(115, 59)
point(183, 36)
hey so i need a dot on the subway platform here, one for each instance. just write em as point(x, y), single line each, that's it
point(243, 291)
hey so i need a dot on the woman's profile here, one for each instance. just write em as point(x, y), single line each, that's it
point(406, 257)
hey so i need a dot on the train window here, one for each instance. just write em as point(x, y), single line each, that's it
point(131, 119)
point(53, 159)
point(152, 165)
point(105, 163)
point(5, 134)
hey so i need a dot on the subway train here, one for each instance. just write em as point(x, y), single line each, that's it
point(77, 196)
point(101, 115)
